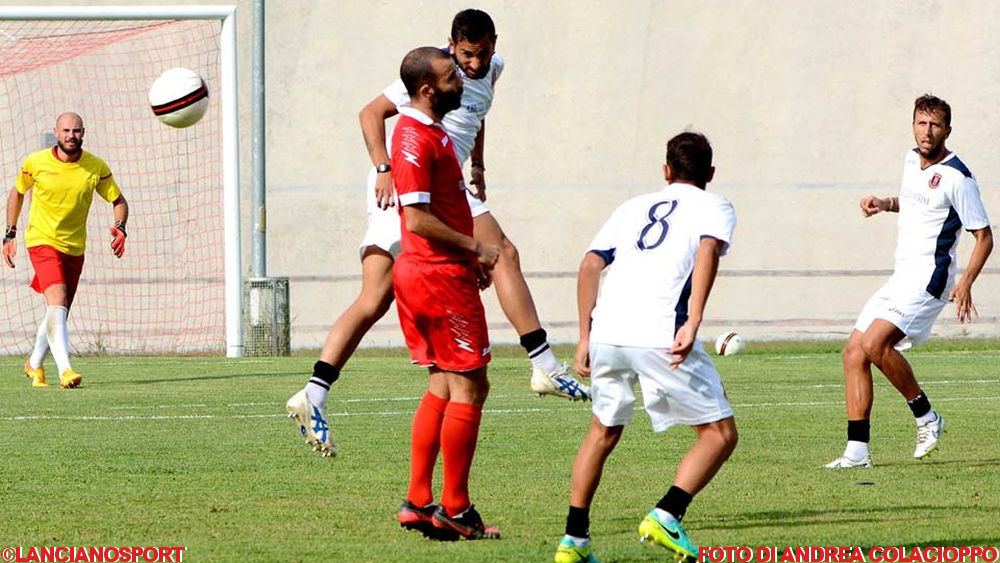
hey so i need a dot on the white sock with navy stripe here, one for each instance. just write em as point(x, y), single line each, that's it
point(536, 344)
point(318, 386)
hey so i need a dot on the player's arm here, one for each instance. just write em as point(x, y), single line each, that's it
point(478, 165)
point(420, 221)
point(15, 200)
point(872, 204)
point(706, 265)
point(372, 118)
point(117, 231)
point(961, 294)
point(588, 281)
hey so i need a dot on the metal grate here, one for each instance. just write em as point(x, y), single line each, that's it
point(266, 327)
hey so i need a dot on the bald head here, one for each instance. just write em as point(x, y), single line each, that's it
point(69, 118)
point(418, 67)
point(432, 81)
point(69, 135)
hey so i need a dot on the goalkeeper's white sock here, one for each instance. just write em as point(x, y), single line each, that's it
point(58, 335)
point(41, 346)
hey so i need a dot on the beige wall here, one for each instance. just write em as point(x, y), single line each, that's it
point(807, 104)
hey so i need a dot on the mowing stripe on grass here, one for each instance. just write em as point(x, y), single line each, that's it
point(401, 413)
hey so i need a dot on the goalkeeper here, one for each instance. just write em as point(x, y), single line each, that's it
point(64, 179)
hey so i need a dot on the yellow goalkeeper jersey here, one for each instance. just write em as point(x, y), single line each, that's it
point(60, 202)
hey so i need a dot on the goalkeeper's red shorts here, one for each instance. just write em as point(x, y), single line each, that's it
point(441, 315)
point(53, 267)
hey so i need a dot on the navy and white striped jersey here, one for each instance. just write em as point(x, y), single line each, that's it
point(463, 123)
point(650, 242)
point(934, 203)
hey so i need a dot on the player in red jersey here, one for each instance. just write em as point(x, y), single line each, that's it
point(436, 281)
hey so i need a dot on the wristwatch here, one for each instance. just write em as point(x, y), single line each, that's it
point(383, 168)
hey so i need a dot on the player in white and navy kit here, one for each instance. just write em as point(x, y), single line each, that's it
point(938, 197)
point(663, 252)
point(463, 125)
point(471, 45)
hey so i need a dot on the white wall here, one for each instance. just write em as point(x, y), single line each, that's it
point(807, 104)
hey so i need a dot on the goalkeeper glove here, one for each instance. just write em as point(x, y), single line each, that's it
point(118, 239)
point(9, 246)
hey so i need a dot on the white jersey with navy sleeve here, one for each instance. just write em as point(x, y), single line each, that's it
point(463, 123)
point(650, 243)
point(934, 203)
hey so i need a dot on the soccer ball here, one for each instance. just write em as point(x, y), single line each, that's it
point(179, 97)
point(729, 344)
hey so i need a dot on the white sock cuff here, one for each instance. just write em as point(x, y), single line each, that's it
point(56, 310)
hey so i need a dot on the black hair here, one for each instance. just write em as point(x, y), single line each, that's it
point(472, 25)
point(689, 156)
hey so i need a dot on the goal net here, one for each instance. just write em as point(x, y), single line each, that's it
point(168, 293)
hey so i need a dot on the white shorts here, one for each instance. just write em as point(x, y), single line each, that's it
point(383, 224)
point(912, 310)
point(692, 394)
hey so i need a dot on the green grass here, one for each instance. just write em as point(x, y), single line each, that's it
point(195, 452)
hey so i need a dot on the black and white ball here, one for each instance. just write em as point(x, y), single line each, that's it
point(179, 97)
point(729, 344)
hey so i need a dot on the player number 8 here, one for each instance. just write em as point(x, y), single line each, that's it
point(657, 218)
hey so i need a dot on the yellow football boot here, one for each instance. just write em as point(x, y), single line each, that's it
point(69, 379)
point(669, 535)
point(37, 375)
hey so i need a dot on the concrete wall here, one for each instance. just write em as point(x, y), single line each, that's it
point(807, 104)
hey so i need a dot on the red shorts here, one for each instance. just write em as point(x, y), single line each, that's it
point(441, 315)
point(53, 267)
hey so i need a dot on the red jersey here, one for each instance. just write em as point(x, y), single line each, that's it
point(426, 170)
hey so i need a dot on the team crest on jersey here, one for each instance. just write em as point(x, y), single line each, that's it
point(935, 181)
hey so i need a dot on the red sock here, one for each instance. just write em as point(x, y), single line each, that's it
point(459, 433)
point(425, 442)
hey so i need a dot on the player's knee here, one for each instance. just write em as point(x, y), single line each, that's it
point(720, 436)
point(873, 348)
point(374, 303)
point(853, 354)
point(509, 253)
point(605, 437)
point(727, 436)
point(480, 390)
point(731, 438)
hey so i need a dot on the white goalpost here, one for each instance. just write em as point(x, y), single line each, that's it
point(178, 288)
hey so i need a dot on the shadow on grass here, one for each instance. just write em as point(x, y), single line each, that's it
point(806, 517)
point(211, 377)
point(811, 517)
point(944, 462)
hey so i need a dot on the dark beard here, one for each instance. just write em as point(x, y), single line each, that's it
point(446, 101)
point(79, 147)
point(934, 155)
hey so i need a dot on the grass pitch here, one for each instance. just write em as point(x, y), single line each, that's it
point(196, 452)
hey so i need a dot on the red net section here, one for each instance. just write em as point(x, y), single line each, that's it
point(166, 294)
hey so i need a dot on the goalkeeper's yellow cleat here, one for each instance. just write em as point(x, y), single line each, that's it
point(69, 379)
point(37, 375)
